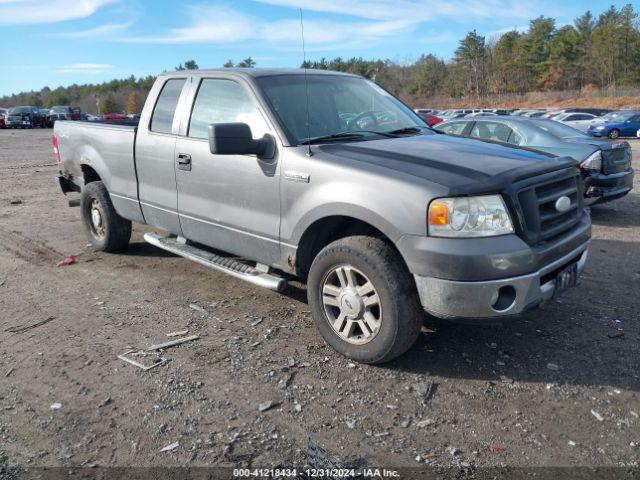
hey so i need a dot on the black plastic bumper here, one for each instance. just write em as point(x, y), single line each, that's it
point(604, 188)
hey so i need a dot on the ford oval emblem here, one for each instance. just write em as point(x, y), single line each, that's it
point(563, 204)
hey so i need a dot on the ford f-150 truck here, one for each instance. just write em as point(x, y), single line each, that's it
point(328, 177)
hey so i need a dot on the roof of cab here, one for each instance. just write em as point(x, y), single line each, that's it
point(256, 72)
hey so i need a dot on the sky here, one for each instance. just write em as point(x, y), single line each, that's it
point(61, 42)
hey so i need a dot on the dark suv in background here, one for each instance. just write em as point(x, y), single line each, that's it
point(25, 117)
point(60, 112)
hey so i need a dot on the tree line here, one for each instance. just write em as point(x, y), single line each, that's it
point(595, 52)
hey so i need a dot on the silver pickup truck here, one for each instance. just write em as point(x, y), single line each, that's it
point(328, 177)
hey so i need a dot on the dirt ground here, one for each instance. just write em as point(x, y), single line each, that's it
point(556, 388)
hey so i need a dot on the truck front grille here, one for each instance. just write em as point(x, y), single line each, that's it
point(541, 219)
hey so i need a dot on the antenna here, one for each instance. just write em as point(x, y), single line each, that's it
point(306, 85)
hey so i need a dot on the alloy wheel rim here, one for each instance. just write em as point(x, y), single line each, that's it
point(351, 304)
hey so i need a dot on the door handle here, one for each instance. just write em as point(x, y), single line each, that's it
point(184, 161)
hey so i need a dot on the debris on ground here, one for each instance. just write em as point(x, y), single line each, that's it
point(2, 282)
point(198, 308)
point(599, 417)
point(171, 447)
point(257, 322)
point(571, 443)
point(497, 448)
point(553, 366)
point(177, 334)
point(56, 406)
point(29, 327)
point(616, 334)
point(105, 402)
point(15, 201)
point(9, 372)
point(159, 360)
point(68, 260)
point(173, 343)
point(424, 423)
point(268, 405)
point(425, 390)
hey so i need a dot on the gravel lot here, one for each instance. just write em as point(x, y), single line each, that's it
point(559, 387)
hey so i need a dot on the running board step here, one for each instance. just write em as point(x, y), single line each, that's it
point(226, 265)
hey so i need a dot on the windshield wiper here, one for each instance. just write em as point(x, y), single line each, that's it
point(357, 134)
point(405, 130)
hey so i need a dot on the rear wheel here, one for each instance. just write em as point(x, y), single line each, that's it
point(363, 299)
point(106, 230)
point(615, 133)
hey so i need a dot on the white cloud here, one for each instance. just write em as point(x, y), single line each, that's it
point(22, 12)
point(216, 24)
point(208, 24)
point(463, 11)
point(105, 30)
point(85, 68)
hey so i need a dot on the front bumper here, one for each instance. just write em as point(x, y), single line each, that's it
point(18, 123)
point(597, 133)
point(603, 188)
point(495, 298)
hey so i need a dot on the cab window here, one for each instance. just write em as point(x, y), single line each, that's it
point(224, 101)
point(165, 109)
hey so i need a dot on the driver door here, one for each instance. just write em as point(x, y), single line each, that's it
point(228, 202)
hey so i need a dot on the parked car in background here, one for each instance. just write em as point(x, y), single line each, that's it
point(579, 121)
point(606, 166)
point(535, 113)
point(623, 125)
point(594, 111)
point(24, 117)
point(430, 119)
point(113, 117)
point(3, 112)
point(63, 112)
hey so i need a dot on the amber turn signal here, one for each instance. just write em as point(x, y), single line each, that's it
point(438, 214)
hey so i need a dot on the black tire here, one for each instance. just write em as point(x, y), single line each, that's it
point(113, 232)
point(615, 133)
point(401, 313)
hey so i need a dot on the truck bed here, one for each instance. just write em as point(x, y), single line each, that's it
point(106, 148)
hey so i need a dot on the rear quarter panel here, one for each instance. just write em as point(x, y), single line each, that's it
point(107, 149)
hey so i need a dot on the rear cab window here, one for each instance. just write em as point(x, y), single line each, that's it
point(165, 108)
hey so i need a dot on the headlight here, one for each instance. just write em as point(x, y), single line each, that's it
point(593, 162)
point(600, 127)
point(483, 216)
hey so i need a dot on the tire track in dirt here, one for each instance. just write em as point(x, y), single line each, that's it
point(29, 249)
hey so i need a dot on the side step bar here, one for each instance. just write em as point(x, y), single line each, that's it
point(226, 265)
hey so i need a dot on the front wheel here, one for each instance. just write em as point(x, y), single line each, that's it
point(615, 133)
point(106, 230)
point(363, 299)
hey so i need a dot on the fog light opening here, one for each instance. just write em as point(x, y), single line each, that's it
point(505, 298)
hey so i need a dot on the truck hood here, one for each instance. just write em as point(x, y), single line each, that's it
point(463, 166)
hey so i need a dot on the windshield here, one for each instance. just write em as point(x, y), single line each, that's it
point(559, 129)
point(618, 116)
point(20, 110)
point(60, 109)
point(337, 104)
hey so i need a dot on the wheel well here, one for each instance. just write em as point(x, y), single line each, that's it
point(89, 174)
point(326, 230)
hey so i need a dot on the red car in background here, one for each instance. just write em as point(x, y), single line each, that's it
point(109, 117)
point(429, 119)
point(3, 112)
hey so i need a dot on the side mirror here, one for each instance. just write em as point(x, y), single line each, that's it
point(236, 139)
